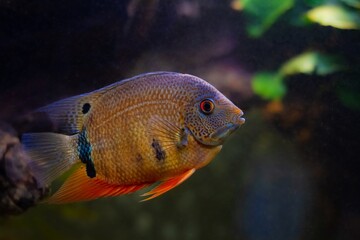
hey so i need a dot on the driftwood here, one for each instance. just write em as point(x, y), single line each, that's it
point(18, 186)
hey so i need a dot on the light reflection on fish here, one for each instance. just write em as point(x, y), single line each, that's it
point(156, 127)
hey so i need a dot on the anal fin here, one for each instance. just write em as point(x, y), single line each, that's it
point(79, 187)
point(167, 185)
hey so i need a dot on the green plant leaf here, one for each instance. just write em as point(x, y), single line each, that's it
point(352, 3)
point(262, 14)
point(268, 85)
point(311, 63)
point(314, 3)
point(349, 95)
point(334, 16)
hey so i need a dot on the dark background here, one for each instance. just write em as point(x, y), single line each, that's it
point(291, 172)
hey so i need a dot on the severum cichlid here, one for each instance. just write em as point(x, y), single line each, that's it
point(154, 127)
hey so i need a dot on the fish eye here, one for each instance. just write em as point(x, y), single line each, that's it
point(207, 106)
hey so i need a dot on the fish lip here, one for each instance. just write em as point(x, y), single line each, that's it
point(222, 133)
point(238, 119)
point(241, 121)
point(218, 137)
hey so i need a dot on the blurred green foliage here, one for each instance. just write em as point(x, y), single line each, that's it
point(335, 16)
point(342, 15)
point(262, 14)
point(270, 86)
point(349, 94)
point(312, 62)
point(352, 3)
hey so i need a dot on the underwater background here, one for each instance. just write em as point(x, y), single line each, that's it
point(292, 66)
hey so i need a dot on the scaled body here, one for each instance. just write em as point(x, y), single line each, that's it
point(153, 127)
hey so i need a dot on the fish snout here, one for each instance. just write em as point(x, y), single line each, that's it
point(219, 136)
point(238, 120)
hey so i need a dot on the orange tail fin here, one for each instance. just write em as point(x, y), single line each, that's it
point(79, 187)
point(167, 185)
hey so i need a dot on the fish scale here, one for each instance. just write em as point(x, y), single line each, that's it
point(133, 133)
point(159, 100)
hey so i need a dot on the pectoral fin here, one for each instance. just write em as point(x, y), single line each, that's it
point(168, 133)
point(167, 185)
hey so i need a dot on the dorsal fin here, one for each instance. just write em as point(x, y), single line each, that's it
point(67, 115)
point(79, 187)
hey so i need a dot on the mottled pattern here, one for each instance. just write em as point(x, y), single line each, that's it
point(160, 153)
point(128, 146)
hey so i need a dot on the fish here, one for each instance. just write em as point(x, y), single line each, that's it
point(154, 128)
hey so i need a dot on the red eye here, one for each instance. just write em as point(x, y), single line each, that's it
point(207, 106)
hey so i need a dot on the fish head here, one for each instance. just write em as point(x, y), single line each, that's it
point(211, 117)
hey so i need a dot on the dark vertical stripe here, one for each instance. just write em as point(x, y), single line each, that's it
point(84, 151)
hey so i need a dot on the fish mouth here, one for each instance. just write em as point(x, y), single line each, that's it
point(218, 137)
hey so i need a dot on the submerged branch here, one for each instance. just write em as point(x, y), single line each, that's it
point(18, 187)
